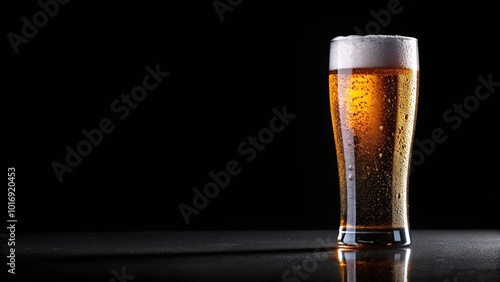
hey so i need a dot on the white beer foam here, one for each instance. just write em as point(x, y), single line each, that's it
point(369, 51)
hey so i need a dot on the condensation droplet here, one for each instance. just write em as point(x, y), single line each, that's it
point(350, 167)
point(406, 117)
point(381, 128)
point(350, 177)
point(380, 155)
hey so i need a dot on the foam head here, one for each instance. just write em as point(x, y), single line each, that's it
point(370, 51)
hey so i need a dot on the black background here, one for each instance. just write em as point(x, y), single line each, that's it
point(226, 77)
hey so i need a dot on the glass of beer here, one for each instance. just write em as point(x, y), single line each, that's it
point(373, 85)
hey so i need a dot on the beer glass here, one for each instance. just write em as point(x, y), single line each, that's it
point(373, 85)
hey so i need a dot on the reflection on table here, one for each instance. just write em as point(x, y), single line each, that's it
point(391, 264)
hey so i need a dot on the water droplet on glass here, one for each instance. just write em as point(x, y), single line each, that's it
point(350, 177)
point(380, 155)
point(350, 167)
point(381, 128)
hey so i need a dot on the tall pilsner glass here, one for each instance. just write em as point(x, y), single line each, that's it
point(373, 83)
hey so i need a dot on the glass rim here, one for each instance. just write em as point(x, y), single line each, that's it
point(373, 36)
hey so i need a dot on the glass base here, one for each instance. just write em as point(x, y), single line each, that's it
point(352, 237)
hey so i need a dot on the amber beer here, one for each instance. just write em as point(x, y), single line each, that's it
point(373, 84)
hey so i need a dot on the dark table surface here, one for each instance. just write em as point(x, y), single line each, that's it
point(435, 255)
